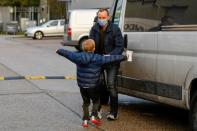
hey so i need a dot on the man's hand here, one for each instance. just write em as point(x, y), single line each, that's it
point(58, 51)
point(125, 58)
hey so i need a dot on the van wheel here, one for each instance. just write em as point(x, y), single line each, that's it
point(193, 112)
point(38, 35)
point(79, 47)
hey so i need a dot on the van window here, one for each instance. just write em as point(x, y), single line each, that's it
point(152, 15)
point(118, 12)
point(141, 15)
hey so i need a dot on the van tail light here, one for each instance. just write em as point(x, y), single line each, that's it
point(69, 31)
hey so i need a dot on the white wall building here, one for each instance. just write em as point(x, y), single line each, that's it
point(86, 4)
point(4, 16)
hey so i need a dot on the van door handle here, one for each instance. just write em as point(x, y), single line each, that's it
point(125, 40)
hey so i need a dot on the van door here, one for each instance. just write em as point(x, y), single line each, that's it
point(176, 48)
point(138, 21)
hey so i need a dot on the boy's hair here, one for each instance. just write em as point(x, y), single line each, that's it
point(88, 45)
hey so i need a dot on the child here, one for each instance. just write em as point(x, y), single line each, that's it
point(88, 76)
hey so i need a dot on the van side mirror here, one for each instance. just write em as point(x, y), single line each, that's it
point(125, 40)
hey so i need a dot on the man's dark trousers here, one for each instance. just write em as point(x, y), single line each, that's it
point(112, 71)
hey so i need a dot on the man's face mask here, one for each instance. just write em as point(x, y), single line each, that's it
point(102, 22)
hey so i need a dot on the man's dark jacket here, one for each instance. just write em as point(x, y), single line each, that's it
point(89, 66)
point(113, 43)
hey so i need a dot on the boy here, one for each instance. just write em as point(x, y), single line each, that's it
point(88, 76)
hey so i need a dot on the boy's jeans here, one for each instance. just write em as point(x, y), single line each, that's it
point(87, 95)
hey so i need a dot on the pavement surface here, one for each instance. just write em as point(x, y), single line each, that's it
point(55, 105)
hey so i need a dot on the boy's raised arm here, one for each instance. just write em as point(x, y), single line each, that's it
point(72, 56)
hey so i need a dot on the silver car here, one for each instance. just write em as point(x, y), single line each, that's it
point(50, 28)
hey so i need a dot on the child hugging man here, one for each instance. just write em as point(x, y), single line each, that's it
point(88, 76)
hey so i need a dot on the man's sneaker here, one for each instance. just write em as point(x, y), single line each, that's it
point(99, 114)
point(85, 123)
point(111, 117)
point(95, 121)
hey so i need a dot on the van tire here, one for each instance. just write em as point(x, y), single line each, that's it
point(193, 113)
point(38, 35)
point(79, 47)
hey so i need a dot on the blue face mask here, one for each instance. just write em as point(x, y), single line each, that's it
point(102, 22)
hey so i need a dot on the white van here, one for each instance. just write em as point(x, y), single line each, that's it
point(78, 27)
point(163, 37)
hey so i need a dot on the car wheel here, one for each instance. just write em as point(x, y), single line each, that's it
point(38, 35)
point(193, 112)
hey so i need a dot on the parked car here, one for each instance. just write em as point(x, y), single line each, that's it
point(79, 24)
point(50, 28)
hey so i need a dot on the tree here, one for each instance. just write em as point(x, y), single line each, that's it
point(57, 9)
point(21, 3)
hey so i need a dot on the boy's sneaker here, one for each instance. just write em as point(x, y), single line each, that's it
point(85, 123)
point(111, 117)
point(99, 114)
point(95, 121)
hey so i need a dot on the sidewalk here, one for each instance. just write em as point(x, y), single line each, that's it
point(35, 105)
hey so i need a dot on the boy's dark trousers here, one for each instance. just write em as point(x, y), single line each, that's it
point(89, 94)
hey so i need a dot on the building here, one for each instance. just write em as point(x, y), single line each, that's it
point(84, 4)
point(4, 17)
point(24, 16)
point(87, 4)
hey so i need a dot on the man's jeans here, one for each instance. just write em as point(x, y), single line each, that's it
point(112, 71)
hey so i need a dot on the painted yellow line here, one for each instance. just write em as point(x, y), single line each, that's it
point(2, 78)
point(35, 77)
point(29, 77)
point(69, 78)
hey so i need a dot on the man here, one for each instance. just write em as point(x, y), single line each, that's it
point(109, 41)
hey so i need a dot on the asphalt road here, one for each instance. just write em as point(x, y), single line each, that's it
point(55, 105)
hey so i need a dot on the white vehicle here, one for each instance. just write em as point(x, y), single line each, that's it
point(79, 25)
point(50, 28)
point(163, 37)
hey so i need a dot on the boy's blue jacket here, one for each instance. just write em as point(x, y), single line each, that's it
point(88, 66)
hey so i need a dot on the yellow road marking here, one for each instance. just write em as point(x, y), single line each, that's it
point(35, 77)
point(2, 78)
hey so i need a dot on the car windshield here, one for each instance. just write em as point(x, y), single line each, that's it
point(46, 23)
